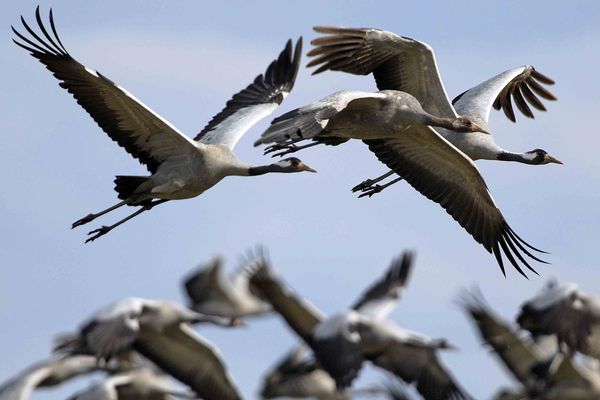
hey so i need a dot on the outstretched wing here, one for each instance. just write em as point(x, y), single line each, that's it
point(180, 352)
point(397, 63)
point(134, 126)
point(517, 355)
point(442, 173)
point(521, 84)
point(301, 316)
point(381, 297)
point(256, 101)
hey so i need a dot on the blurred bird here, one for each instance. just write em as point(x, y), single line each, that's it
point(541, 369)
point(180, 167)
point(138, 384)
point(161, 332)
point(344, 341)
point(210, 292)
point(299, 375)
point(567, 312)
point(47, 373)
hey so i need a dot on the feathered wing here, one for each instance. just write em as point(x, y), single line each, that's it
point(126, 120)
point(382, 296)
point(205, 283)
point(256, 101)
point(180, 352)
point(518, 356)
point(46, 373)
point(442, 173)
point(301, 316)
point(397, 63)
point(522, 84)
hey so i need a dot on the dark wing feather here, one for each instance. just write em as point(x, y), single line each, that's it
point(521, 85)
point(204, 284)
point(397, 63)
point(194, 362)
point(383, 294)
point(301, 316)
point(256, 101)
point(442, 173)
point(517, 355)
point(136, 128)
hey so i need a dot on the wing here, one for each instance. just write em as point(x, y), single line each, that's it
point(206, 283)
point(379, 299)
point(256, 101)
point(107, 338)
point(397, 63)
point(180, 352)
point(135, 127)
point(301, 316)
point(436, 382)
point(517, 355)
point(521, 84)
point(443, 174)
point(45, 374)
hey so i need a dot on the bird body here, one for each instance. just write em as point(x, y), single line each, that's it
point(180, 168)
point(211, 292)
point(439, 163)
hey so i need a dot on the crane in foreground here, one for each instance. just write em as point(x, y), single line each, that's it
point(436, 162)
point(180, 168)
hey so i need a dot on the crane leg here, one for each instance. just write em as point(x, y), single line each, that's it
point(96, 233)
point(370, 191)
point(291, 148)
point(366, 184)
point(91, 217)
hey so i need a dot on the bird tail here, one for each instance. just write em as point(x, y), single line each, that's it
point(295, 125)
point(126, 185)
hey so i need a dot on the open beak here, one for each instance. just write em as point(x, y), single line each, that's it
point(549, 159)
point(304, 167)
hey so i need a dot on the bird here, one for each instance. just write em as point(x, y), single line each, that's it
point(160, 331)
point(342, 342)
point(542, 369)
point(47, 373)
point(139, 383)
point(210, 292)
point(569, 313)
point(299, 375)
point(180, 167)
point(438, 162)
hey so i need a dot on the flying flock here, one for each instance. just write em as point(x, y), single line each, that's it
point(421, 136)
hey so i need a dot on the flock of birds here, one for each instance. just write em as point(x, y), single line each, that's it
point(553, 353)
point(421, 136)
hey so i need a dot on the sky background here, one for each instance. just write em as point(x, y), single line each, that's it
point(185, 59)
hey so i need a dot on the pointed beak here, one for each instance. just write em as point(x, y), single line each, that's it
point(480, 129)
point(549, 159)
point(304, 167)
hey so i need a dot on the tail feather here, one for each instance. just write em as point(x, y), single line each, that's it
point(126, 185)
point(295, 125)
point(68, 344)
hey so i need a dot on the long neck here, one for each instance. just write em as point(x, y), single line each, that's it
point(525, 158)
point(432, 120)
point(265, 169)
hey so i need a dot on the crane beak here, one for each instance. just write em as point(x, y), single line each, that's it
point(480, 129)
point(304, 167)
point(549, 159)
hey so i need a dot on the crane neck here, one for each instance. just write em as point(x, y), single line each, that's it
point(442, 122)
point(265, 169)
point(525, 158)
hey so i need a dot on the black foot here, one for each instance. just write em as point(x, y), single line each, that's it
point(364, 185)
point(282, 149)
point(371, 190)
point(98, 232)
point(82, 221)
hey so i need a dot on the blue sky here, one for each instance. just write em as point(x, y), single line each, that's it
point(185, 59)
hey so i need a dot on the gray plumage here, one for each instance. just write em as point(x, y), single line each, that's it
point(48, 373)
point(439, 162)
point(211, 292)
point(161, 332)
point(180, 167)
